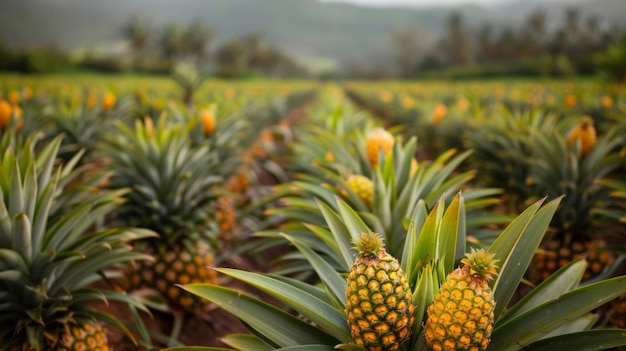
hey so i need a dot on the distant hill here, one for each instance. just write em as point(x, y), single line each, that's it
point(335, 32)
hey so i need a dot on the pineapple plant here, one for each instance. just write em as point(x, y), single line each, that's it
point(316, 316)
point(379, 305)
point(577, 228)
point(174, 188)
point(53, 248)
point(429, 233)
point(460, 317)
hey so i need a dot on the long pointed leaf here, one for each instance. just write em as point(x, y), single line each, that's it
point(280, 327)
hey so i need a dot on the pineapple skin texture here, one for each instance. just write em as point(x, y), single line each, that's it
point(176, 265)
point(461, 314)
point(363, 187)
point(89, 337)
point(378, 140)
point(379, 303)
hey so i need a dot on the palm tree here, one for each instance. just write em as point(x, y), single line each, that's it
point(197, 37)
point(173, 43)
point(137, 31)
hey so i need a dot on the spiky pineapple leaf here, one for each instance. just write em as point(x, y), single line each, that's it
point(515, 247)
point(196, 348)
point(312, 308)
point(561, 281)
point(280, 327)
point(245, 342)
point(554, 313)
point(588, 340)
point(330, 277)
point(353, 222)
point(310, 347)
point(341, 233)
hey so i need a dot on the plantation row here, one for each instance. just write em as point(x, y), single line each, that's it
point(298, 215)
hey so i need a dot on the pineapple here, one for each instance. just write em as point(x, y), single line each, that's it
point(363, 187)
point(439, 113)
point(174, 192)
point(461, 314)
point(90, 337)
point(378, 140)
point(207, 117)
point(378, 297)
point(6, 111)
point(46, 276)
point(585, 133)
point(108, 101)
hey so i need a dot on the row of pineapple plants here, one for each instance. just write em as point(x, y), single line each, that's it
point(164, 175)
point(346, 160)
point(379, 234)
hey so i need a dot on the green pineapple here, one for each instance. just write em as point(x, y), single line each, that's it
point(461, 314)
point(52, 249)
point(378, 297)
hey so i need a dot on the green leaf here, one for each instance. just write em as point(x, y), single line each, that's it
point(448, 233)
point(340, 231)
point(589, 340)
point(278, 326)
point(560, 282)
point(541, 320)
point(318, 311)
point(309, 347)
point(245, 342)
point(196, 348)
point(327, 274)
point(515, 247)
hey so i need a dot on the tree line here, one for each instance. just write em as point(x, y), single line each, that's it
point(575, 46)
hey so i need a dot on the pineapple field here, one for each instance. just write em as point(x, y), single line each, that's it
point(185, 213)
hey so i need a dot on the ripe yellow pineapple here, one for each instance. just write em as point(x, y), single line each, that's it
point(378, 140)
point(363, 187)
point(440, 112)
point(585, 133)
point(379, 300)
point(460, 317)
point(175, 264)
point(108, 101)
point(90, 336)
point(207, 117)
point(5, 114)
point(558, 252)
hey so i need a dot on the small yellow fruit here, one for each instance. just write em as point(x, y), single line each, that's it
point(5, 114)
point(586, 133)
point(363, 187)
point(108, 101)
point(14, 97)
point(207, 117)
point(440, 112)
point(606, 101)
point(149, 126)
point(378, 140)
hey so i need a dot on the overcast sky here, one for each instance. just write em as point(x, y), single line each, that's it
point(425, 2)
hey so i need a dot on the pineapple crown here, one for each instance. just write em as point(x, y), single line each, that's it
point(369, 244)
point(480, 263)
point(586, 121)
